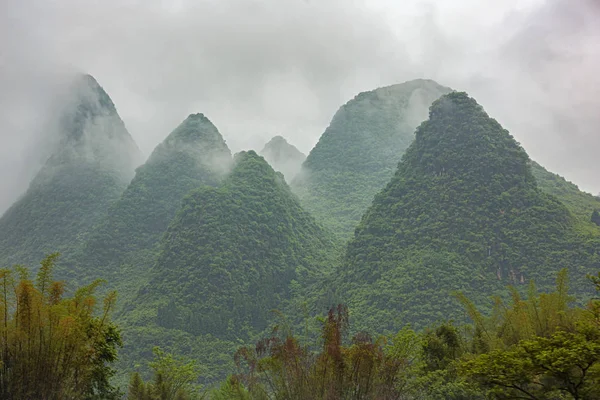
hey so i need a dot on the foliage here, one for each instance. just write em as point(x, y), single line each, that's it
point(230, 389)
point(52, 346)
point(357, 154)
point(173, 379)
point(539, 348)
point(595, 217)
point(281, 368)
point(283, 157)
point(193, 155)
point(462, 213)
point(231, 254)
point(581, 204)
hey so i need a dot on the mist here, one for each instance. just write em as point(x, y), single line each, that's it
point(258, 69)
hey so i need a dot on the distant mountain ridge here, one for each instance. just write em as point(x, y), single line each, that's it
point(359, 151)
point(283, 157)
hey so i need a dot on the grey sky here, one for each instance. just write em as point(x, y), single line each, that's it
point(258, 68)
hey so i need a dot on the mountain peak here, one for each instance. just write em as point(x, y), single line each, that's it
point(283, 157)
point(196, 127)
point(360, 149)
point(251, 166)
point(462, 213)
point(277, 140)
point(86, 99)
point(90, 130)
point(245, 238)
point(460, 137)
point(197, 117)
point(91, 160)
point(192, 155)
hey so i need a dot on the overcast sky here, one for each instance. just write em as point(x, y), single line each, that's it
point(258, 68)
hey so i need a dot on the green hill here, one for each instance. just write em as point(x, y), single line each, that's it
point(232, 252)
point(122, 248)
point(230, 257)
point(463, 212)
point(357, 154)
point(92, 163)
point(283, 157)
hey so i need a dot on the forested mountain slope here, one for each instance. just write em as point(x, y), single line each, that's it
point(92, 163)
point(230, 257)
point(283, 157)
point(193, 155)
point(231, 253)
point(357, 154)
point(582, 205)
point(463, 212)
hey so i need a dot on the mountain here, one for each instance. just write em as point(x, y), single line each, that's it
point(462, 213)
point(193, 155)
point(90, 166)
point(231, 255)
point(581, 204)
point(232, 252)
point(357, 154)
point(283, 157)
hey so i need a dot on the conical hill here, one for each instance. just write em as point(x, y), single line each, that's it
point(283, 157)
point(462, 213)
point(193, 155)
point(357, 154)
point(90, 165)
point(232, 253)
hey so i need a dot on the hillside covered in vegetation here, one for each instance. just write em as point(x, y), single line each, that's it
point(123, 245)
point(358, 153)
point(462, 213)
point(233, 279)
point(89, 167)
point(231, 256)
point(582, 205)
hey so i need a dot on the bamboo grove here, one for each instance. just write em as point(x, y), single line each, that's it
point(54, 346)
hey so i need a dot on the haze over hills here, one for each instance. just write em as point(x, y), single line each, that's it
point(462, 213)
point(208, 252)
point(193, 155)
point(90, 166)
point(283, 157)
point(358, 153)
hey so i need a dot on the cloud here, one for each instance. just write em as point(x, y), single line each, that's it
point(258, 68)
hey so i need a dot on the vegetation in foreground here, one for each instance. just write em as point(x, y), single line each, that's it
point(55, 346)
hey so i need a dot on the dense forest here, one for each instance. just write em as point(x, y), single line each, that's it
point(124, 243)
point(416, 253)
point(463, 212)
point(358, 152)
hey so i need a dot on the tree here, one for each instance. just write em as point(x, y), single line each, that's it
point(540, 348)
point(52, 346)
point(282, 368)
point(174, 378)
